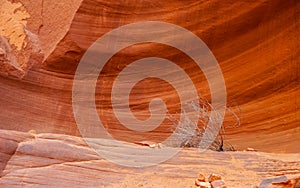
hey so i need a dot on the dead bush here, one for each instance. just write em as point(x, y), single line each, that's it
point(190, 130)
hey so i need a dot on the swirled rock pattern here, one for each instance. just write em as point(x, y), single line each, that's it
point(41, 43)
point(53, 160)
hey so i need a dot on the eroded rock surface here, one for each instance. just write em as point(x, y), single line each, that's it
point(55, 160)
point(20, 49)
point(255, 43)
point(42, 42)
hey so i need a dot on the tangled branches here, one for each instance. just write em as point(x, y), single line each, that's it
point(190, 131)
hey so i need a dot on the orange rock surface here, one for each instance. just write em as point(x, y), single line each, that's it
point(56, 160)
point(256, 44)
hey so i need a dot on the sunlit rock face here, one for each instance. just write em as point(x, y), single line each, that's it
point(19, 48)
point(42, 43)
point(255, 44)
point(55, 160)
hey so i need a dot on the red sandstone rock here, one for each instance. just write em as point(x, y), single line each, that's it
point(42, 42)
point(20, 49)
point(214, 177)
point(42, 158)
point(204, 185)
point(201, 177)
point(288, 181)
point(65, 29)
point(218, 184)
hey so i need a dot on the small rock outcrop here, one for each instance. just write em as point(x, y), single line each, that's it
point(214, 181)
point(286, 181)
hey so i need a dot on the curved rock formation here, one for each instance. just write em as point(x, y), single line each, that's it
point(42, 42)
point(254, 43)
point(52, 160)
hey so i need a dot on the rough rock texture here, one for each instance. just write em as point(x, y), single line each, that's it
point(255, 43)
point(54, 160)
point(19, 47)
point(214, 177)
point(285, 181)
point(201, 177)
